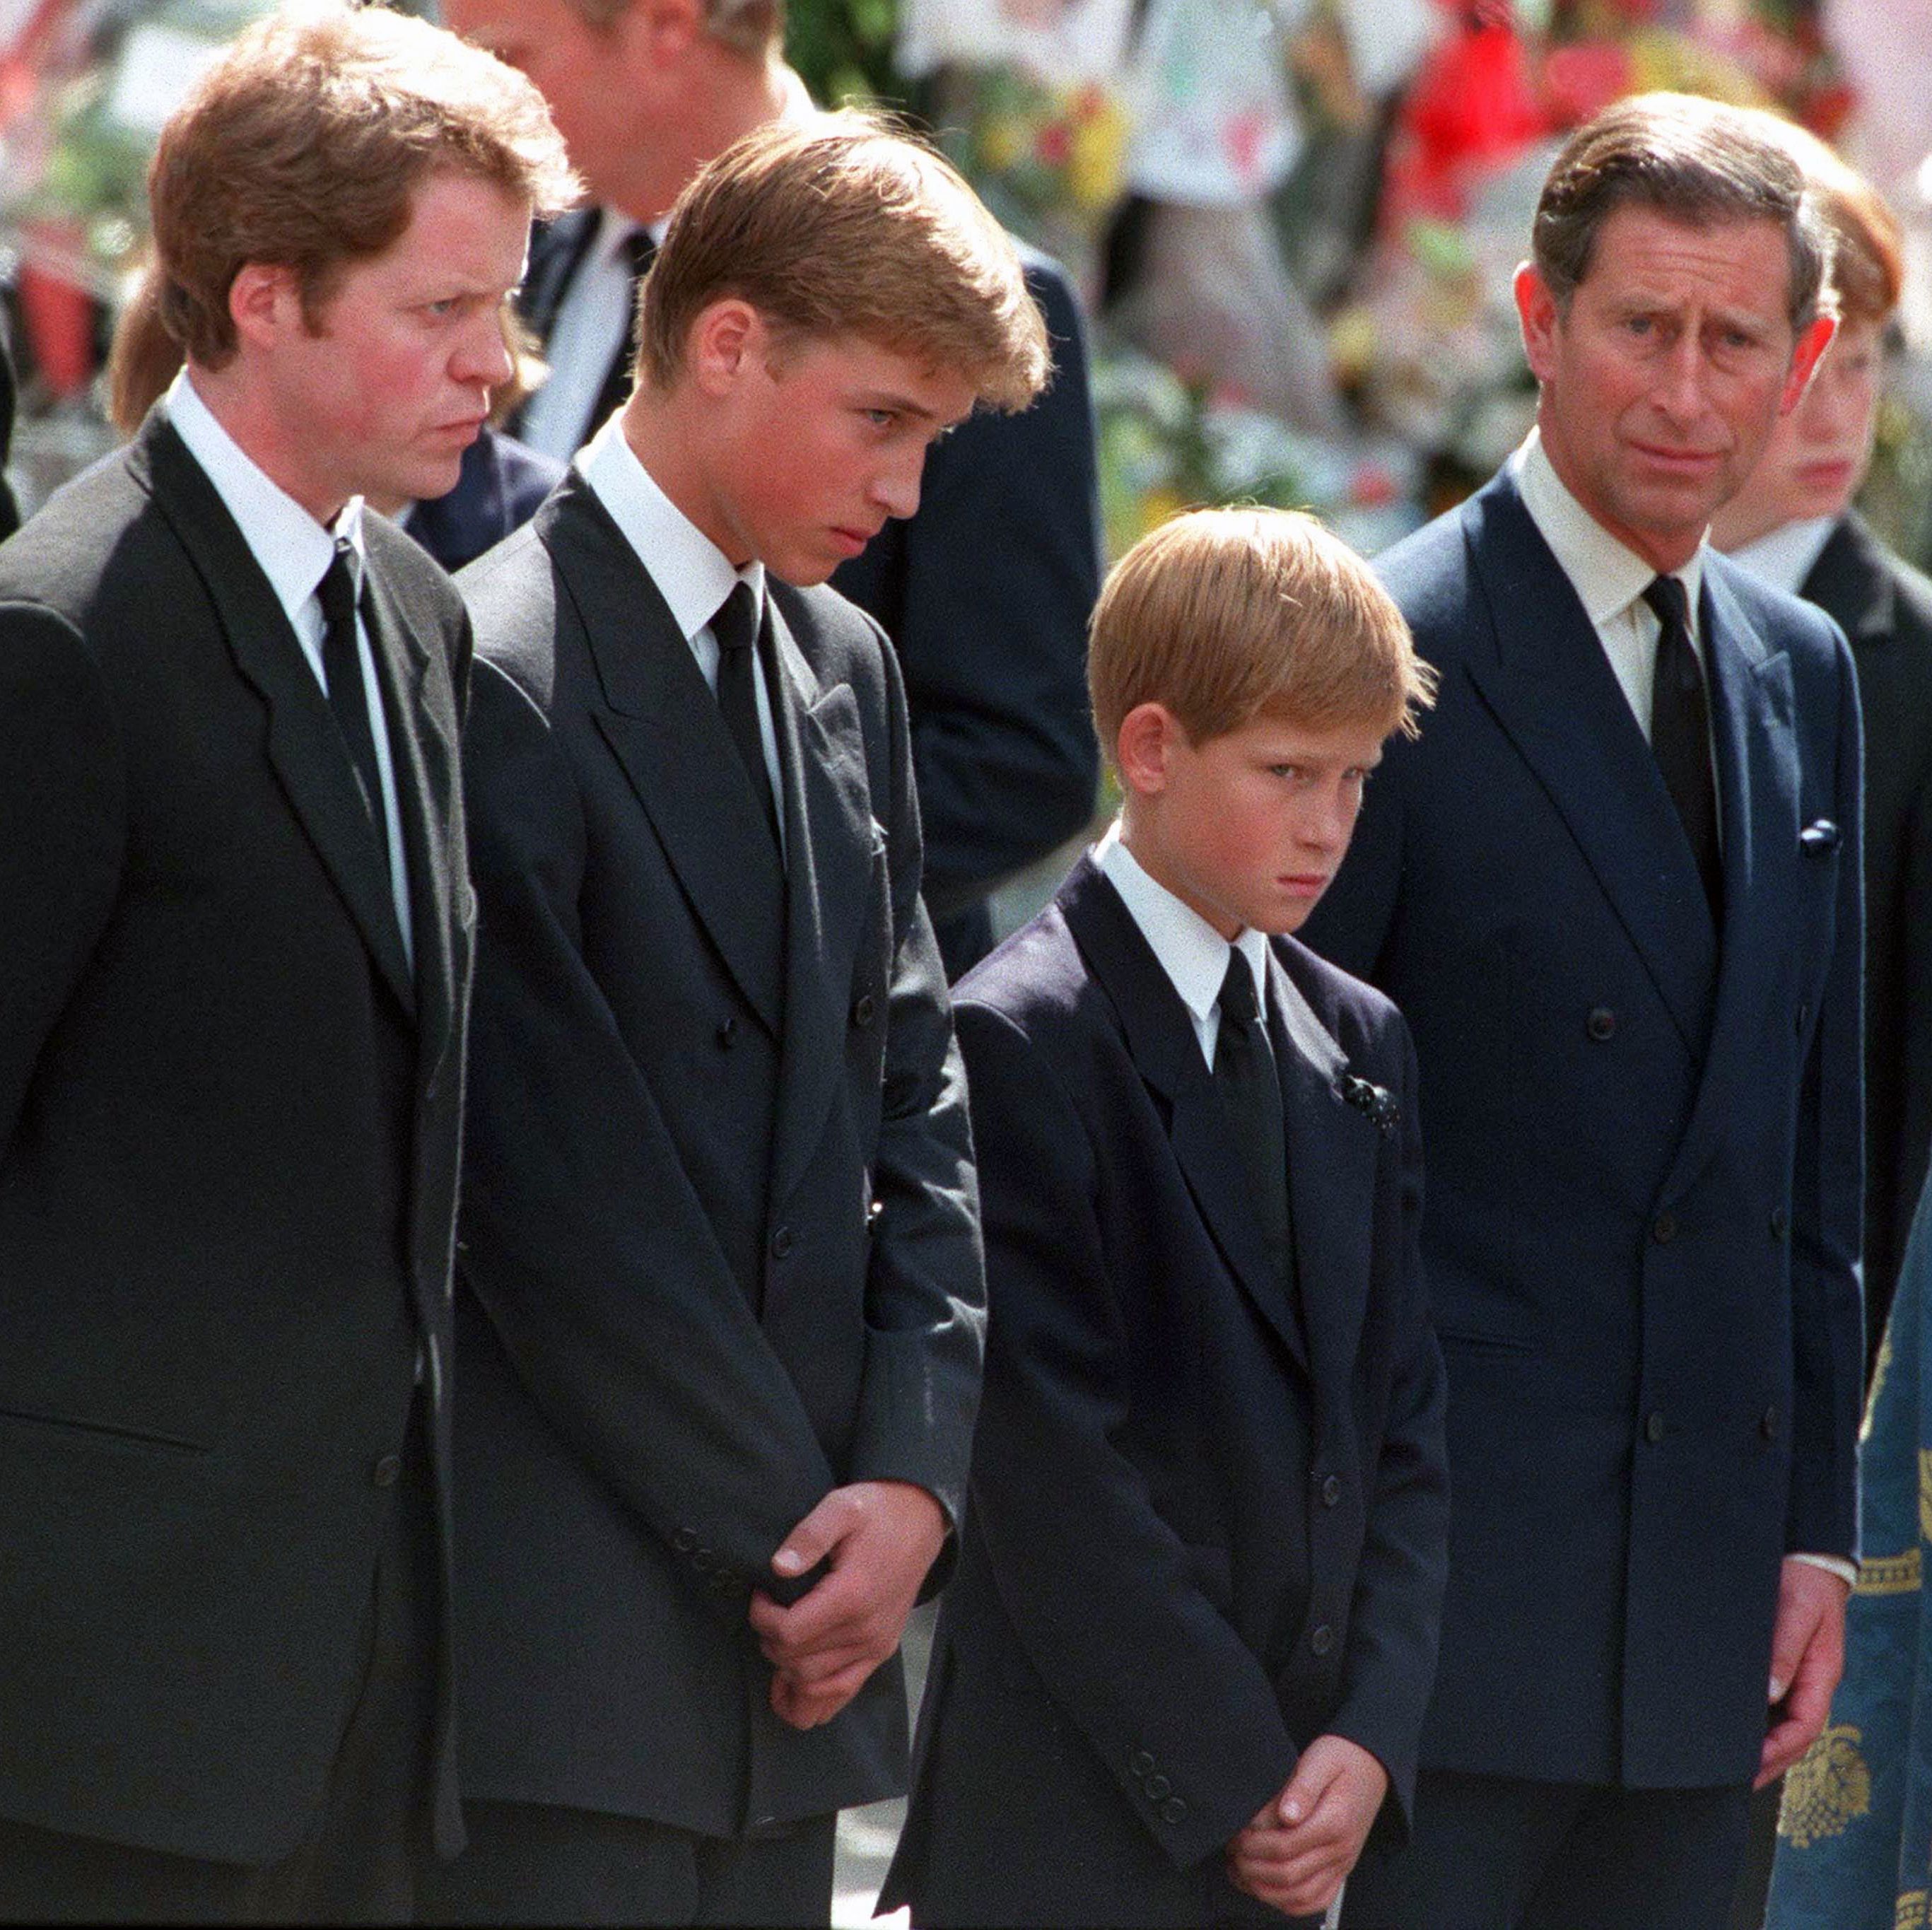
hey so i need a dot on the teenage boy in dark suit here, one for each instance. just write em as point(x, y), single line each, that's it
point(1185, 1655)
point(720, 1351)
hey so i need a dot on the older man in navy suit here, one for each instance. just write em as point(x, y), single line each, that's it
point(1616, 889)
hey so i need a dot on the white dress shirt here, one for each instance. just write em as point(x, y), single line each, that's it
point(295, 552)
point(1608, 579)
point(1785, 558)
point(592, 323)
point(1191, 952)
point(692, 574)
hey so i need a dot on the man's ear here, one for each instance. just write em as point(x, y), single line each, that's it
point(663, 30)
point(727, 338)
point(265, 302)
point(1804, 360)
point(1536, 311)
point(1148, 735)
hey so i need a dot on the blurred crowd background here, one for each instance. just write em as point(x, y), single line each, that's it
point(1294, 221)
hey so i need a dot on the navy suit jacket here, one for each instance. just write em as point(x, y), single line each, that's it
point(1884, 607)
point(1207, 1520)
point(499, 489)
point(1642, 1235)
point(721, 1232)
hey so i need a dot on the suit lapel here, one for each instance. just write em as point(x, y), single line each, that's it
point(424, 761)
point(1753, 731)
point(1332, 1158)
point(664, 727)
point(304, 747)
point(1850, 580)
point(1550, 687)
point(1161, 1042)
point(831, 841)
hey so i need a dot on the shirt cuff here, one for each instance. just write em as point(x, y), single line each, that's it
point(1842, 1566)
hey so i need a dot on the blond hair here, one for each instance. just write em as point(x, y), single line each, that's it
point(1868, 243)
point(1223, 615)
point(305, 144)
point(842, 224)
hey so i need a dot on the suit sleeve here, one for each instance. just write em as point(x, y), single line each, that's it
point(581, 1234)
point(1915, 1132)
point(986, 594)
point(1096, 1584)
point(925, 1294)
point(1396, 1616)
point(63, 803)
point(1827, 1208)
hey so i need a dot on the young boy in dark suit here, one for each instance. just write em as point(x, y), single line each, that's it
point(719, 1348)
point(1186, 1651)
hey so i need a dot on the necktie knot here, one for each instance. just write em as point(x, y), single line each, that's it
point(1669, 602)
point(1239, 1006)
point(336, 590)
point(735, 624)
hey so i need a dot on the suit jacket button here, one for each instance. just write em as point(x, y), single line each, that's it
point(862, 1010)
point(1323, 1640)
point(1157, 1788)
point(1768, 1427)
point(1142, 1766)
point(702, 1559)
point(1331, 1490)
point(387, 1471)
point(1173, 1809)
point(1780, 1223)
point(684, 1541)
point(1601, 1024)
point(1653, 1426)
point(728, 1031)
point(1664, 1229)
point(781, 1243)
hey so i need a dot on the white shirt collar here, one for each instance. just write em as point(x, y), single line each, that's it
point(693, 575)
point(293, 549)
point(1787, 555)
point(1607, 577)
point(1191, 952)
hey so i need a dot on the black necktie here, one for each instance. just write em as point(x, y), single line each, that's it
point(641, 251)
point(342, 669)
point(1244, 1076)
point(1680, 732)
point(736, 627)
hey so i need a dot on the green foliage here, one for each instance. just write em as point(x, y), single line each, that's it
point(843, 49)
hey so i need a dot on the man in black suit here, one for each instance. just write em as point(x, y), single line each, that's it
point(232, 998)
point(1183, 1667)
point(719, 1353)
point(985, 592)
point(1792, 523)
point(1614, 889)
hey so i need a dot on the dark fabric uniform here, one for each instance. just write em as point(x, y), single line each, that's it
point(228, 1153)
point(1208, 1506)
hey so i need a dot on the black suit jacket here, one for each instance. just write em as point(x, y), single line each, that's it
point(1208, 1515)
point(721, 1226)
point(228, 1158)
point(1884, 607)
point(1643, 1133)
point(985, 592)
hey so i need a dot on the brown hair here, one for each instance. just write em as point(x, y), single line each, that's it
point(753, 28)
point(1697, 161)
point(1868, 243)
point(843, 224)
point(1222, 615)
point(304, 146)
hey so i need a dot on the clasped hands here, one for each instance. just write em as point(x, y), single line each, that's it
point(1295, 1853)
point(877, 1539)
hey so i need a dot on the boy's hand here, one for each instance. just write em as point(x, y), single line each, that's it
point(877, 1539)
point(1294, 1855)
